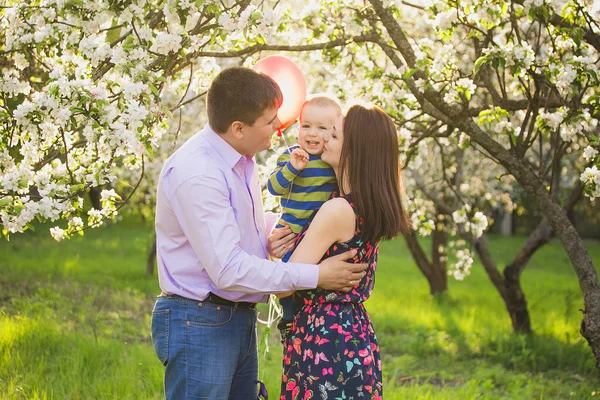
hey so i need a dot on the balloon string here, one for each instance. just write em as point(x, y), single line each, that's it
point(281, 135)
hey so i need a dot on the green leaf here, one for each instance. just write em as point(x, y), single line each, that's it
point(77, 110)
point(77, 188)
point(544, 13)
point(409, 73)
point(153, 89)
point(256, 15)
point(128, 44)
point(113, 34)
point(480, 61)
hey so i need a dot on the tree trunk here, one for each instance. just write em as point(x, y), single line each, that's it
point(439, 266)
point(511, 293)
point(437, 281)
point(151, 261)
point(94, 194)
point(581, 260)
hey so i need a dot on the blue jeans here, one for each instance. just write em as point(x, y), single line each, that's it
point(209, 350)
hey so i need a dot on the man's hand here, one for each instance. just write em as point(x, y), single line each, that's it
point(299, 158)
point(335, 273)
point(280, 241)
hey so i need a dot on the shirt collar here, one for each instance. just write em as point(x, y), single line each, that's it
point(222, 148)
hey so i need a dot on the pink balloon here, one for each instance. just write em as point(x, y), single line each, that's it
point(291, 82)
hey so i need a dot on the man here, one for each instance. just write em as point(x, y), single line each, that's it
point(212, 247)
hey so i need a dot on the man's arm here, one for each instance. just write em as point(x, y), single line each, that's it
point(205, 212)
point(271, 219)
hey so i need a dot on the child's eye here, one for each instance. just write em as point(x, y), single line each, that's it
point(323, 128)
point(305, 126)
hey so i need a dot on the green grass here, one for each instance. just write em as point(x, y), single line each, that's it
point(75, 316)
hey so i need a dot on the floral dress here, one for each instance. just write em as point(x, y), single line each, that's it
point(331, 351)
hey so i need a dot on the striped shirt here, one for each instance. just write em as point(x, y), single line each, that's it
point(302, 192)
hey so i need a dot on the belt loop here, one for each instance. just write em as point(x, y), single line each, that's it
point(235, 306)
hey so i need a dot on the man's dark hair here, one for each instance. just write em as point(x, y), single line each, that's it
point(240, 94)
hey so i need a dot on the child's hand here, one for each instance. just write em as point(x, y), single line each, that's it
point(299, 159)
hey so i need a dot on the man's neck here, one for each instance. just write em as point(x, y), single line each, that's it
point(231, 140)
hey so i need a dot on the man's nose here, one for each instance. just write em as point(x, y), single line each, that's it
point(276, 123)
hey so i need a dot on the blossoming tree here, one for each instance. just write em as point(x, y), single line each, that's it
point(520, 80)
point(84, 86)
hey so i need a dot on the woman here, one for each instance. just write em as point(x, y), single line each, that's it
point(331, 350)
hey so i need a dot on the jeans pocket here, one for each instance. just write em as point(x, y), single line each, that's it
point(160, 334)
point(209, 315)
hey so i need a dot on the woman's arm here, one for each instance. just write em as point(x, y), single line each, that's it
point(334, 222)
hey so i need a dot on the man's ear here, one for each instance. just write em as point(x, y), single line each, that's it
point(237, 128)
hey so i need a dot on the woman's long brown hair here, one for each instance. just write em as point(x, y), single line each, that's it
point(370, 162)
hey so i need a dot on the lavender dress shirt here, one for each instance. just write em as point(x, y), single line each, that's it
point(211, 234)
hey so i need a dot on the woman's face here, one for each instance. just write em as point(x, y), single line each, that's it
point(332, 149)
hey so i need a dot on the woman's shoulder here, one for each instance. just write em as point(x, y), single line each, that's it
point(333, 223)
point(336, 210)
point(337, 206)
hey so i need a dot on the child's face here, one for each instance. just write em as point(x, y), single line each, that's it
point(315, 121)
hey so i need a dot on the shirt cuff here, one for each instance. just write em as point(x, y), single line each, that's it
point(308, 277)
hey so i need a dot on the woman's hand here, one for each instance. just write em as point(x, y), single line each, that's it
point(280, 241)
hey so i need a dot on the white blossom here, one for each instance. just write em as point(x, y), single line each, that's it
point(591, 175)
point(462, 267)
point(165, 43)
point(57, 233)
point(590, 153)
point(227, 22)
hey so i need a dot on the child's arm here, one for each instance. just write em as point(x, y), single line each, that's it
point(288, 168)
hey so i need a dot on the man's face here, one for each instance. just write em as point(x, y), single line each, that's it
point(258, 136)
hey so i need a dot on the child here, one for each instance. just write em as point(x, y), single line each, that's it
point(302, 179)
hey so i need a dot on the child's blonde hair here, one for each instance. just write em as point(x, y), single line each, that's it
point(323, 100)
